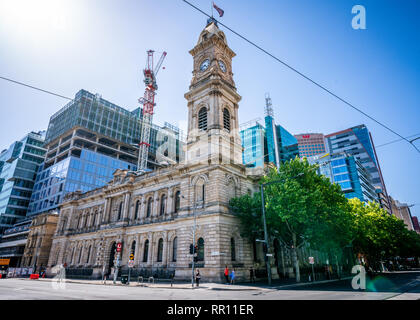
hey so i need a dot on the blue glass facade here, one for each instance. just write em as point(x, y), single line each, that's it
point(92, 170)
point(18, 166)
point(253, 143)
point(345, 170)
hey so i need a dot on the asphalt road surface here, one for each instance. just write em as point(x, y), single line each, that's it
point(402, 285)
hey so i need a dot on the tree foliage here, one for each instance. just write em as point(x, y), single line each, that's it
point(380, 235)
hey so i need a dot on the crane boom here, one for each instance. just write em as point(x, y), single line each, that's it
point(148, 102)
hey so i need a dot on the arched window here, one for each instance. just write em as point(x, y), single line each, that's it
point(226, 119)
point(146, 250)
point(136, 212)
point(88, 255)
point(200, 255)
point(80, 255)
point(133, 248)
point(162, 204)
point(73, 256)
point(174, 249)
point(160, 250)
point(120, 211)
point(202, 119)
point(177, 200)
point(232, 249)
point(149, 207)
point(200, 190)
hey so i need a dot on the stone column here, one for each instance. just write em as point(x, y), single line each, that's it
point(143, 205)
point(150, 253)
point(155, 211)
point(137, 252)
point(126, 205)
point(107, 206)
point(170, 202)
point(165, 249)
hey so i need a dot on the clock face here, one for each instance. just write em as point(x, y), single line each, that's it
point(204, 65)
point(222, 66)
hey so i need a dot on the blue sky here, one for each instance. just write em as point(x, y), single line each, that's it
point(100, 45)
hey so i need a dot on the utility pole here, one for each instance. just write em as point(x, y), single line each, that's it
point(266, 258)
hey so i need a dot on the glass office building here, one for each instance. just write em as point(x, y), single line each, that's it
point(253, 142)
point(18, 167)
point(345, 170)
point(89, 171)
point(87, 140)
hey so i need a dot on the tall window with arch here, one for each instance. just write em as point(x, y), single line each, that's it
point(200, 191)
point(133, 248)
point(160, 250)
point(89, 253)
point(174, 249)
point(120, 211)
point(146, 251)
point(177, 201)
point(202, 119)
point(162, 204)
point(136, 211)
point(226, 119)
point(232, 249)
point(200, 244)
point(149, 207)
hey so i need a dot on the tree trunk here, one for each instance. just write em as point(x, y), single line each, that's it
point(295, 259)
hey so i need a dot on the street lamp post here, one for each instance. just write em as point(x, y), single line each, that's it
point(192, 269)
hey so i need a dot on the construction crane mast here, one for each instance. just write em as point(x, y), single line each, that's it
point(148, 102)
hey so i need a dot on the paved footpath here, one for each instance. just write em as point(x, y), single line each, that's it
point(386, 286)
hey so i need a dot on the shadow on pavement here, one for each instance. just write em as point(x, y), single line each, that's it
point(386, 282)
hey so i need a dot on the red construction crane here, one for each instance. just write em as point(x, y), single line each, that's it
point(148, 102)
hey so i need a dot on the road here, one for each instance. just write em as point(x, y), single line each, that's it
point(403, 285)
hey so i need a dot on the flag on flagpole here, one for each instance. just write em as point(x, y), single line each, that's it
point(220, 11)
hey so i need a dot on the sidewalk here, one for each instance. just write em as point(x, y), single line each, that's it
point(207, 286)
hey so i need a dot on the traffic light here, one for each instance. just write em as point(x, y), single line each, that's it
point(195, 249)
point(191, 248)
point(195, 259)
point(265, 248)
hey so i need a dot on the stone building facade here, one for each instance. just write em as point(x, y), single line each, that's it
point(38, 244)
point(153, 214)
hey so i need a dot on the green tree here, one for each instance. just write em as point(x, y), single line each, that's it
point(303, 208)
point(379, 235)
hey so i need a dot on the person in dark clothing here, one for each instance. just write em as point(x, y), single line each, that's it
point(197, 277)
point(252, 274)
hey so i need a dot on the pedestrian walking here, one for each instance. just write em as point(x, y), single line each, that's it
point(197, 277)
point(226, 274)
point(232, 276)
point(252, 274)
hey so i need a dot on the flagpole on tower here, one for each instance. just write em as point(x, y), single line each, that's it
point(212, 5)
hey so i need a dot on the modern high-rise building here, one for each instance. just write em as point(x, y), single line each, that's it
point(254, 144)
point(357, 141)
point(348, 172)
point(311, 144)
point(18, 167)
point(87, 140)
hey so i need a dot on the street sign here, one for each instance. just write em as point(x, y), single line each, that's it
point(311, 260)
point(4, 262)
point(131, 256)
point(269, 254)
point(119, 245)
point(131, 263)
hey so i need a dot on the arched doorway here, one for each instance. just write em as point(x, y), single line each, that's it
point(111, 257)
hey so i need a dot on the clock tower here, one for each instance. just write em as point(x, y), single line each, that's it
point(213, 132)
